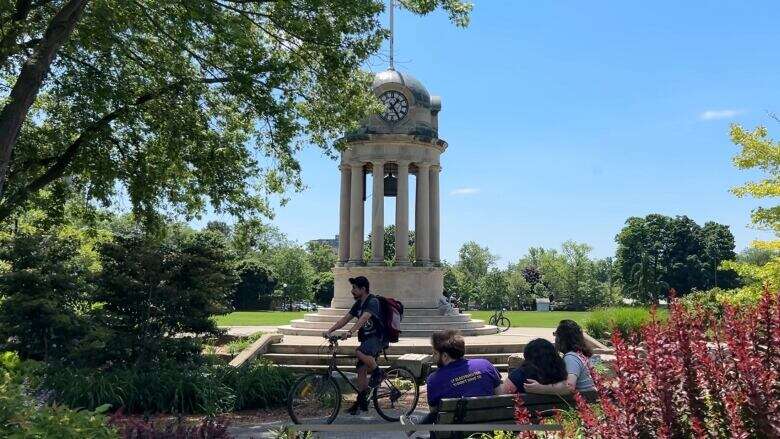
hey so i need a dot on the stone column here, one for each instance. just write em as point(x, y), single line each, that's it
point(434, 200)
point(402, 216)
point(378, 215)
point(356, 215)
point(344, 215)
point(422, 215)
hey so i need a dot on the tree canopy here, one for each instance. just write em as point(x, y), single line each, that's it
point(657, 253)
point(179, 105)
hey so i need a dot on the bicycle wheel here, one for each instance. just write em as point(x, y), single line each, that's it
point(503, 324)
point(314, 399)
point(397, 394)
point(492, 320)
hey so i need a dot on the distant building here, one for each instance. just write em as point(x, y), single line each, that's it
point(332, 243)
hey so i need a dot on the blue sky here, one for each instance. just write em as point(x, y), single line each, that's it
point(565, 118)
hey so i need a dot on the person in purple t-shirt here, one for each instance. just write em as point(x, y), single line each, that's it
point(455, 376)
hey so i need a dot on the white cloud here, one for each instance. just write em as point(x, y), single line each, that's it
point(719, 114)
point(465, 191)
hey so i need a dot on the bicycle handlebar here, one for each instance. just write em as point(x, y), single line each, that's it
point(333, 339)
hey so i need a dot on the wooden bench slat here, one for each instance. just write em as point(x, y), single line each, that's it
point(530, 400)
point(479, 416)
point(477, 402)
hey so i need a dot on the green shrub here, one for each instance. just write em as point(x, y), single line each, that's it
point(714, 300)
point(706, 300)
point(44, 296)
point(625, 320)
point(21, 416)
point(152, 292)
point(173, 388)
point(130, 313)
point(258, 384)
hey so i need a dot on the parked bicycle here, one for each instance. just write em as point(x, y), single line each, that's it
point(316, 397)
point(498, 319)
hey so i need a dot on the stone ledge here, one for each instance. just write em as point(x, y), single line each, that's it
point(259, 347)
point(417, 364)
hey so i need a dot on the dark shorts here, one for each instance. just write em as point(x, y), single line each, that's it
point(371, 346)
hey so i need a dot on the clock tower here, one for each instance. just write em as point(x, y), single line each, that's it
point(400, 150)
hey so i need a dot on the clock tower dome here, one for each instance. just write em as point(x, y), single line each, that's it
point(409, 108)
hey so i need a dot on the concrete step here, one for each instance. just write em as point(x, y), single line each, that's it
point(405, 326)
point(313, 359)
point(484, 330)
point(408, 312)
point(407, 319)
point(394, 349)
point(306, 368)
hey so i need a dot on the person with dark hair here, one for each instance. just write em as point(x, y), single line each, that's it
point(570, 341)
point(369, 329)
point(455, 376)
point(541, 363)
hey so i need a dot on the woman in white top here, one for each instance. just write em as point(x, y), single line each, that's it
point(570, 341)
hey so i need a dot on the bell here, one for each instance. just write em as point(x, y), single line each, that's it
point(391, 185)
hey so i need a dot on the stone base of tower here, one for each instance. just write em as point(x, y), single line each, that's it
point(415, 287)
point(418, 288)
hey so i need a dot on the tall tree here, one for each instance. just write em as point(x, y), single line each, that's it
point(473, 264)
point(719, 246)
point(493, 290)
point(657, 253)
point(178, 103)
point(389, 238)
point(294, 274)
point(759, 152)
point(321, 256)
point(255, 236)
point(568, 277)
point(521, 292)
point(256, 285)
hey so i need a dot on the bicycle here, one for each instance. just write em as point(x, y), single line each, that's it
point(499, 320)
point(316, 397)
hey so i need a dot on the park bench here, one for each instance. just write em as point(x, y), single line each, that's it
point(500, 409)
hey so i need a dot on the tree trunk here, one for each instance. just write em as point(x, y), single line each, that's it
point(30, 79)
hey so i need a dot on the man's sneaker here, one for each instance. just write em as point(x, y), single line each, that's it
point(360, 404)
point(409, 420)
point(376, 377)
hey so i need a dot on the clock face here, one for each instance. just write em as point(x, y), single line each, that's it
point(396, 105)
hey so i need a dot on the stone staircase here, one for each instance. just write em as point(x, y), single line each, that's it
point(310, 357)
point(417, 322)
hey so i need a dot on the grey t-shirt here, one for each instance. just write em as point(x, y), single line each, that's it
point(373, 327)
point(576, 364)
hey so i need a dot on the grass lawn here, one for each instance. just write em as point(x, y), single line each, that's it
point(258, 318)
point(518, 318)
point(533, 319)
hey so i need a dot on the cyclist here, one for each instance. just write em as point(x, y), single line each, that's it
point(370, 330)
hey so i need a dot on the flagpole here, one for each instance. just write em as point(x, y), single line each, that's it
point(392, 34)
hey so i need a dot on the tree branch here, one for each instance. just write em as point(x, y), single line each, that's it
point(15, 28)
point(61, 163)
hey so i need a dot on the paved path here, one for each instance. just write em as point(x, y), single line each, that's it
point(370, 417)
point(513, 335)
point(245, 331)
